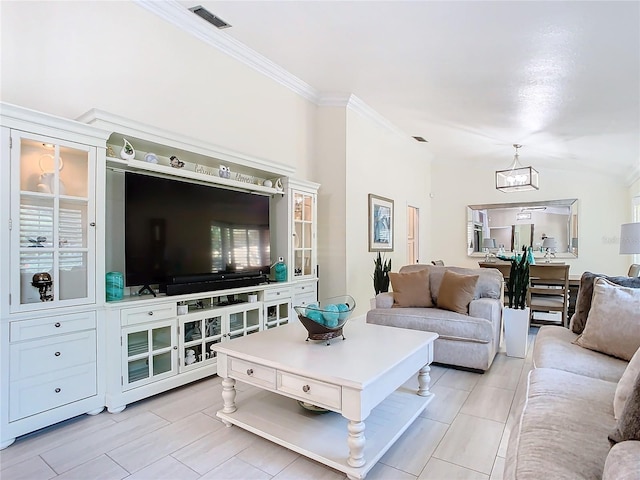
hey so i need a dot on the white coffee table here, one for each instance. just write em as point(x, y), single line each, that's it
point(360, 378)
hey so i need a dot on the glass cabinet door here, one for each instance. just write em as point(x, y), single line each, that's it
point(149, 354)
point(244, 322)
point(198, 334)
point(52, 222)
point(276, 313)
point(303, 234)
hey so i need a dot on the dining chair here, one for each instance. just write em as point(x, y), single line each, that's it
point(549, 290)
point(634, 270)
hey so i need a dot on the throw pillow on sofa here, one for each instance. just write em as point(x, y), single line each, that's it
point(625, 385)
point(457, 291)
point(613, 324)
point(411, 289)
point(585, 293)
point(628, 427)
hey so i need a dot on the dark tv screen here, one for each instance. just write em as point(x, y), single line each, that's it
point(179, 229)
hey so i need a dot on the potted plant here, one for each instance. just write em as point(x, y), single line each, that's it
point(381, 270)
point(516, 315)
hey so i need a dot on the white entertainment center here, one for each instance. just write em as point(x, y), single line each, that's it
point(65, 350)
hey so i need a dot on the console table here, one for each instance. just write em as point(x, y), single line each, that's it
point(357, 379)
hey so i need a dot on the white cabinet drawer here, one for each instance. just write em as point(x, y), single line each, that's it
point(304, 300)
point(277, 293)
point(304, 289)
point(51, 325)
point(311, 391)
point(51, 354)
point(133, 316)
point(38, 394)
point(251, 373)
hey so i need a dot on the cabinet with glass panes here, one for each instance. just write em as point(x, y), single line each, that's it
point(148, 353)
point(276, 313)
point(51, 185)
point(53, 217)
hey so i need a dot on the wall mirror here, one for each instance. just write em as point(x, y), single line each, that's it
point(544, 225)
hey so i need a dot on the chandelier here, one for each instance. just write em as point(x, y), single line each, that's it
point(517, 178)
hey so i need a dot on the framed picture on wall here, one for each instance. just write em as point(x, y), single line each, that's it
point(380, 224)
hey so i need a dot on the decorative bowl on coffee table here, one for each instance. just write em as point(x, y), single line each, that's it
point(324, 320)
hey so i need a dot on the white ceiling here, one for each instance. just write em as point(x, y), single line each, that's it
point(472, 77)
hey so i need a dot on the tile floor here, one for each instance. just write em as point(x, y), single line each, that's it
point(462, 434)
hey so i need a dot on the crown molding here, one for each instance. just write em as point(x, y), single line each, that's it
point(176, 14)
point(356, 104)
point(181, 17)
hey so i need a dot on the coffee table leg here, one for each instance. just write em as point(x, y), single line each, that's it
point(228, 396)
point(423, 381)
point(356, 441)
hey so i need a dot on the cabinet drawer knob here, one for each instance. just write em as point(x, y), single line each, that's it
point(57, 325)
point(306, 388)
point(58, 390)
point(250, 371)
point(93, 224)
point(57, 354)
point(149, 313)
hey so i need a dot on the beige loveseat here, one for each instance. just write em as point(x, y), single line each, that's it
point(469, 341)
point(563, 424)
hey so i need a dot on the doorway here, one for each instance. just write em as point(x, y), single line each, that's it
point(413, 235)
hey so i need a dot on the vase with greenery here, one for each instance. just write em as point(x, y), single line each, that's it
point(518, 281)
point(381, 274)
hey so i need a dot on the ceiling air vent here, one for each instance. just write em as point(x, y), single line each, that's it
point(420, 139)
point(209, 17)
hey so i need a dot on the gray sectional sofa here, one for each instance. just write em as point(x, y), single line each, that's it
point(469, 341)
point(563, 423)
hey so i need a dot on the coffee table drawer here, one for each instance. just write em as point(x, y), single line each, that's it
point(252, 373)
point(311, 391)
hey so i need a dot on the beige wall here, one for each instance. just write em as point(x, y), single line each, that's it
point(602, 209)
point(331, 172)
point(65, 58)
point(392, 166)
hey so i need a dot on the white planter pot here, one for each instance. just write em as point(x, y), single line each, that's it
point(516, 331)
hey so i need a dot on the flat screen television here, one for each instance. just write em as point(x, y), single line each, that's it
point(180, 233)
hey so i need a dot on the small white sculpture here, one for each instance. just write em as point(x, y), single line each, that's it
point(127, 152)
point(190, 357)
point(224, 172)
point(267, 183)
point(151, 158)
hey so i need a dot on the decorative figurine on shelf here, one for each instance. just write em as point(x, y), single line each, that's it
point(224, 171)
point(267, 183)
point(278, 185)
point(176, 162)
point(110, 152)
point(190, 357)
point(151, 158)
point(127, 152)
point(43, 282)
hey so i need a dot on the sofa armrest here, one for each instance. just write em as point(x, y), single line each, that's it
point(622, 461)
point(487, 308)
point(384, 300)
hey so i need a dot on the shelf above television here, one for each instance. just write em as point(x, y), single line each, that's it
point(185, 172)
point(202, 160)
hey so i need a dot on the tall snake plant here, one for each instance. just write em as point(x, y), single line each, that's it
point(518, 281)
point(381, 274)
